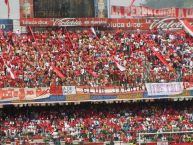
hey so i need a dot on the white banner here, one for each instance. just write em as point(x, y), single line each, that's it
point(173, 88)
point(68, 90)
point(102, 90)
point(10, 94)
point(162, 143)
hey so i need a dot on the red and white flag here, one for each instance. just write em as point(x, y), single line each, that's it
point(57, 72)
point(131, 3)
point(187, 27)
point(8, 7)
point(93, 31)
point(13, 76)
point(121, 68)
point(94, 74)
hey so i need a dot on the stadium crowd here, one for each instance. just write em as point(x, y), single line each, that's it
point(106, 59)
point(99, 122)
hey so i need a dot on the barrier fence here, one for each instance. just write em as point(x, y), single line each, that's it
point(166, 138)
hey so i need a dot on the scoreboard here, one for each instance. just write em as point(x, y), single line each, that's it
point(63, 8)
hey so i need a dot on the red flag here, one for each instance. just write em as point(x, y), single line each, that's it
point(8, 7)
point(94, 74)
point(162, 59)
point(131, 3)
point(57, 72)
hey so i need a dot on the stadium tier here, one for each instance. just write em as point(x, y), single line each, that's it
point(92, 72)
point(99, 123)
point(82, 58)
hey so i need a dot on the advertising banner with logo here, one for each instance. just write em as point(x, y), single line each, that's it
point(172, 88)
point(63, 22)
point(6, 24)
point(142, 24)
point(131, 95)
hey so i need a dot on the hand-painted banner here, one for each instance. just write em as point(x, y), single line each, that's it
point(86, 93)
point(102, 90)
point(10, 94)
point(68, 90)
point(137, 11)
point(172, 88)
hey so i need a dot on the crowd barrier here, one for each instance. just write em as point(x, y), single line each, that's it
point(86, 94)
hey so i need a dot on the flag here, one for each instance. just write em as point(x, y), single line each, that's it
point(1, 61)
point(57, 72)
point(93, 31)
point(32, 33)
point(121, 68)
point(131, 3)
point(162, 59)
point(94, 74)
point(10, 72)
point(8, 7)
point(188, 28)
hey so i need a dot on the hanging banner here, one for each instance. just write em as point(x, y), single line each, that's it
point(10, 94)
point(103, 90)
point(144, 11)
point(172, 88)
point(68, 90)
point(130, 24)
point(63, 22)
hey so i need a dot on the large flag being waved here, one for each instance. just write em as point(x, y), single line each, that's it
point(8, 7)
point(187, 27)
point(10, 72)
point(131, 3)
point(162, 59)
point(121, 68)
point(93, 31)
point(57, 72)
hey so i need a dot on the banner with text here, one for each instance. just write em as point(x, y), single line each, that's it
point(144, 11)
point(86, 93)
point(172, 88)
point(130, 24)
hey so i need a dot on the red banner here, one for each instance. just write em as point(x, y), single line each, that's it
point(142, 24)
point(147, 11)
point(64, 21)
